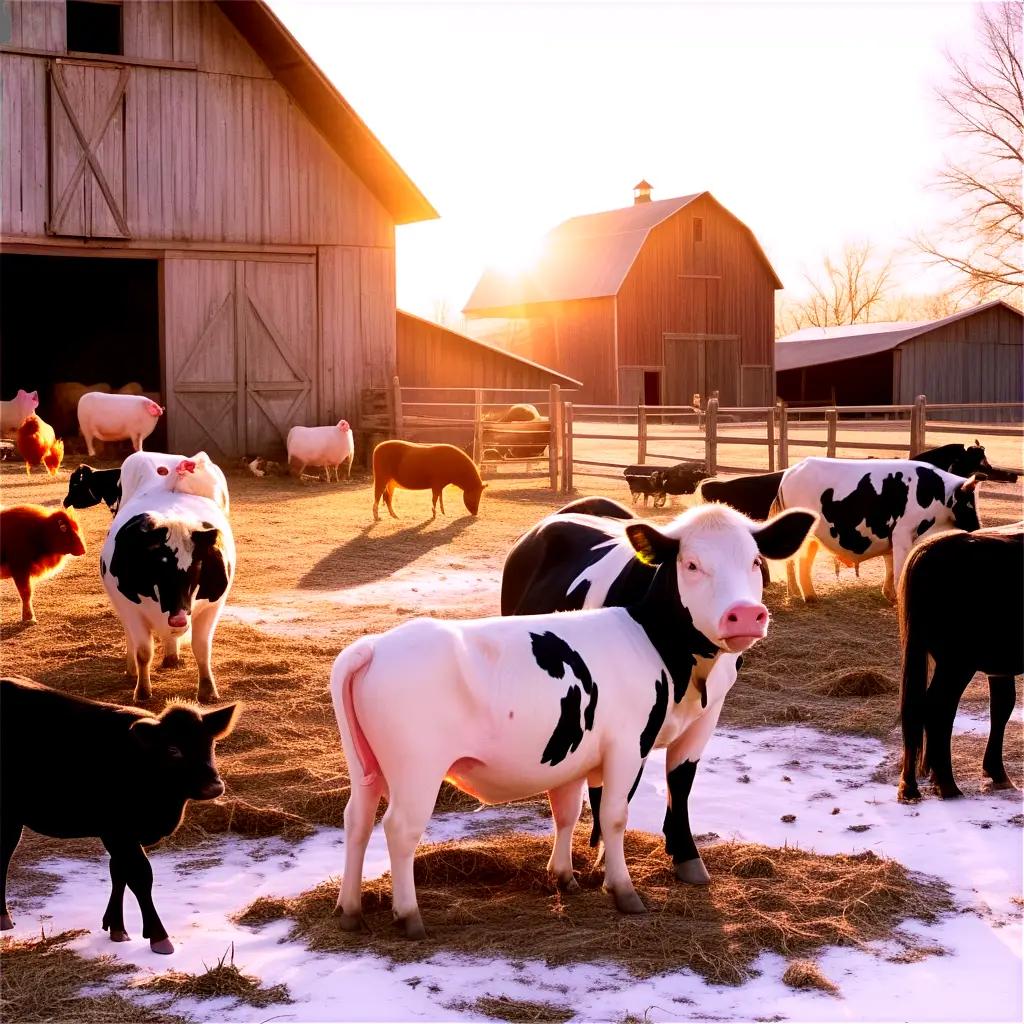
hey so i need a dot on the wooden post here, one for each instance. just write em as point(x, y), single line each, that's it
point(554, 405)
point(831, 424)
point(641, 434)
point(783, 436)
point(771, 440)
point(478, 427)
point(918, 425)
point(567, 450)
point(711, 436)
point(397, 419)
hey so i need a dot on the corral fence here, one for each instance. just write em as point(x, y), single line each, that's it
point(563, 439)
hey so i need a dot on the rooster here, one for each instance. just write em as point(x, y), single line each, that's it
point(39, 446)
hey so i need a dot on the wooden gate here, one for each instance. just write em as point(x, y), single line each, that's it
point(87, 150)
point(241, 348)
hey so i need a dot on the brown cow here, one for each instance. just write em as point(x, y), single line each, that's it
point(421, 467)
point(35, 542)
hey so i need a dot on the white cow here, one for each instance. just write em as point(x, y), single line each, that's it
point(103, 417)
point(321, 446)
point(868, 508)
point(509, 707)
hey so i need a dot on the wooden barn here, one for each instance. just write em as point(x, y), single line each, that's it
point(651, 303)
point(188, 203)
point(973, 356)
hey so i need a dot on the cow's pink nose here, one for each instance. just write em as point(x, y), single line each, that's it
point(177, 620)
point(744, 619)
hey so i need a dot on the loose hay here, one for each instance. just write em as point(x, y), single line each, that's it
point(519, 1011)
point(41, 980)
point(866, 682)
point(806, 974)
point(493, 897)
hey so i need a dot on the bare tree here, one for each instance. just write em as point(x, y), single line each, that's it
point(984, 103)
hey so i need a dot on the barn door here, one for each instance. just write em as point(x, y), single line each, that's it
point(722, 361)
point(87, 150)
point(631, 385)
point(684, 370)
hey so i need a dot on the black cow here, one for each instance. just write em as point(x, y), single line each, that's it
point(961, 603)
point(579, 557)
point(88, 487)
point(71, 767)
point(661, 481)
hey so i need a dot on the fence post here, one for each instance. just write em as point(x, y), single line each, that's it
point(554, 404)
point(831, 424)
point(918, 425)
point(770, 418)
point(641, 434)
point(397, 419)
point(478, 427)
point(567, 449)
point(783, 436)
point(711, 435)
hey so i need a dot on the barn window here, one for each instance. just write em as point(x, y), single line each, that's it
point(698, 229)
point(94, 26)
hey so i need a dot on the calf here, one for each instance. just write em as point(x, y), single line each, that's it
point(646, 482)
point(73, 768)
point(13, 411)
point(509, 707)
point(38, 445)
point(321, 446)
point(88, 487)
point(34, 543)
point(873, 507)
point(103, 417)
point(167, 564)
point(961, 605)
point(420, 467)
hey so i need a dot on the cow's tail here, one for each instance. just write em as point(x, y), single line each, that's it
point(349, 668)
point(914, 673)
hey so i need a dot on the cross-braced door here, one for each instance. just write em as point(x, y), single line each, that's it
point(87, 150)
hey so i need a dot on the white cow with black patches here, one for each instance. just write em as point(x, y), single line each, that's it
point(506, 708)
point(167, 564)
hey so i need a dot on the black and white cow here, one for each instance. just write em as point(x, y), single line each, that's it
point(88, 487)
point(868, 508)
point(509, 707)
point(582, 557)
point(167, 565)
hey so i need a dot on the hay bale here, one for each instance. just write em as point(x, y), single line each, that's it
point(493, 897)
point(805, 974)
point(861, 682)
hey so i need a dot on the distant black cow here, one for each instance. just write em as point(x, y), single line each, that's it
point(961, 603)
point(660, 481)
point(88, 487)
point(71, 767)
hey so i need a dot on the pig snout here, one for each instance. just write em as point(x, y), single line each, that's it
point(742, 624)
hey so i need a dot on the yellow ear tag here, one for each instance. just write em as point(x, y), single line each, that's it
point(647, 554)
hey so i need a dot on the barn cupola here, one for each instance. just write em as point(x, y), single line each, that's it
point(642, 192)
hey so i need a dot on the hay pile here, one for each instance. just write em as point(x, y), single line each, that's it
point(518, 1011)
point(222, 980)
point(41, 980)
point(493, 898)
point(805, 974)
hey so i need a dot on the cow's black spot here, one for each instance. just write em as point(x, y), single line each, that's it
point(577, 597)
point(656, 718)
point(965, 511)
point(103, 568)
point(878, 511)
point(891, 504)
point(929, 487)
point(923, 527)
point(553, 654)
point(679, 843)
point(595, 809)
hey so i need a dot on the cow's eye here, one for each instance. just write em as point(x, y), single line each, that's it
point(174, 752)
point(691, 567)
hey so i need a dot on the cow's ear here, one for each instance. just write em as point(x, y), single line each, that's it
point(782, 536)
point(651, 545)
point(220, 722)
point(971, 483)
point(213, 573)
point(146, 733)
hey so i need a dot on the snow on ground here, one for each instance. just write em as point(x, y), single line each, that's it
point(746, 782)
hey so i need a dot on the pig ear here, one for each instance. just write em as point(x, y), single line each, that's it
point(782, 536)
point(145, 732)
point(652, 546)
point(220, 722)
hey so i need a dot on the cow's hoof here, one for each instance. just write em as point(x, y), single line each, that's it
point(348, 922)
point(948, 792)
point(170, 661)
point(29, 619)
point(164, 946)
point(628, 902)
point(995, 786)
point(207, 692)
point(692, 872)
point(908, 794)
point(411, 926)
point(567, 883)
point(119, 935)
point(6, 922)
point(141, 696)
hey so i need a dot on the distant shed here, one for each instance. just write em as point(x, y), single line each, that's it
point(973, 356)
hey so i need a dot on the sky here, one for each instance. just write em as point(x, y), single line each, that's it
point(814, 123)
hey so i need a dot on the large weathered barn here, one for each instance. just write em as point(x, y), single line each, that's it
point(973, 356)
point(188, 202)
point(652, 303)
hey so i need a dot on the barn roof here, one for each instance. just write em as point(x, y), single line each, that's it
point(457, 336)
point(586, 257)
point(328, 109)
point(813, 346)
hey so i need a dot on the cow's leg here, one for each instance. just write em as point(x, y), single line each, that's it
point(944, 693)
point(619, 774)
point(410, 805)
point(24, 584)
point(172, 652)
point(434, 495)
point(889, 585)
point(134, 867)
point(379, 486)
point(566, 803)
point(792, 587)
point(807, 556)
point(10, 836)
point(360, 811)
point(143, 642)
point(203, 627)
point(389, 492)
point(1002, 697)
point(113, 916)
point(440, 498)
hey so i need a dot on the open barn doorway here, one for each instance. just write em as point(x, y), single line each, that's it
point(79, 319)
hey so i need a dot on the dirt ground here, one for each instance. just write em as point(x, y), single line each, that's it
point(315, 572)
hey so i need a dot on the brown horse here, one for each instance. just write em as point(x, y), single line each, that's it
point(421, 467)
